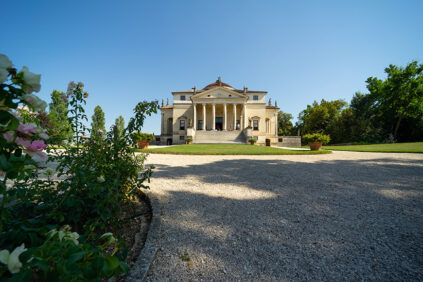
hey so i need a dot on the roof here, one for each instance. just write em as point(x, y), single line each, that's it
point(271, 107)
point(167, 107)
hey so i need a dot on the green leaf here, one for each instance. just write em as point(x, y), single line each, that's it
point(111, 263)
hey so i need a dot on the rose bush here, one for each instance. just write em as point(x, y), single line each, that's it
point(98, 176)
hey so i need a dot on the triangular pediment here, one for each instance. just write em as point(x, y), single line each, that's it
point(219, 93)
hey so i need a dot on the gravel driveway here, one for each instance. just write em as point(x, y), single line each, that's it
point(344, 216)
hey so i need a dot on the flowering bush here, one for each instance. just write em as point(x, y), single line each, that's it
point(98, 175)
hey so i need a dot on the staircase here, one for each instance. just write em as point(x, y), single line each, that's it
point(225, 137)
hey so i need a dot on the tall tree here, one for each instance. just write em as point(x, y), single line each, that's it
point(284, 124)
point(400, 94)
point(120, 125)
point(58, 115)
point(98, 121)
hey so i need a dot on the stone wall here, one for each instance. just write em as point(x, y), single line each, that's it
point(285, 141)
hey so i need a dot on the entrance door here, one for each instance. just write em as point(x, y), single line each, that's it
point(219, 123)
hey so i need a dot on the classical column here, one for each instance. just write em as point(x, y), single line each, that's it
point(244, 111)
point(276, 123)
point(234, 116)
point(204, 117)
point(195, 116)
point(224, 116)
point(214, 117)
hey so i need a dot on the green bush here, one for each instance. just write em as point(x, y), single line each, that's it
point(188, 139)
point(252, 140)
point(98, 174)
point(142, 136)
point(316, 137)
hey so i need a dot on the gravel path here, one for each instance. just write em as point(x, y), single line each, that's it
point(344, 216)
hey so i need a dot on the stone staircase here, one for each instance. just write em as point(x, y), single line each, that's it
point(225, 137)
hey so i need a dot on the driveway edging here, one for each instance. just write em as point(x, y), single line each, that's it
point(140, 269)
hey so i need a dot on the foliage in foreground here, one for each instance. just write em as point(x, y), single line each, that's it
point(37, 215)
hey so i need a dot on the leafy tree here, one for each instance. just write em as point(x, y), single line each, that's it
point(98, 121)
point(322, 118)
point(58, 116)
point(400, 96)
point(120, 125)
point(285, 126)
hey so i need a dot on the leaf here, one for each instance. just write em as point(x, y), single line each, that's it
point(111, 263)
point(75, 257)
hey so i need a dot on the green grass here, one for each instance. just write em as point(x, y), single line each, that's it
point(227, 149)
point(389, 148)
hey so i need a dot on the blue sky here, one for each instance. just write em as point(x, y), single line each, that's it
point(129, 51)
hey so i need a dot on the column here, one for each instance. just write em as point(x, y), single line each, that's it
point(244, 111)
point(234, 116)
point(214, 117)
point(195, 116)
point(204, 117)
point(224, 116)
point(276, 123)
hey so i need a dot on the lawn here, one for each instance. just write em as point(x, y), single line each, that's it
point(227, 149)
point(390, 148)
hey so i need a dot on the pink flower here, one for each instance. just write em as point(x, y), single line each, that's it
point(27, 128)
point(9, 137)
point(36, 145)
point(22, 142)
point(64, 98)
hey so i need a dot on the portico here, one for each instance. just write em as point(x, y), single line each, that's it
point(223, 116)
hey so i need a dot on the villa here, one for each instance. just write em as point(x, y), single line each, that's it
point(218, 113)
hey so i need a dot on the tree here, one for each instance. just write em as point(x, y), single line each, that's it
point(400, 95)
point(58, 116)
point(322, 118)
point(284, 124)
point(120, 125)
point(98, 121)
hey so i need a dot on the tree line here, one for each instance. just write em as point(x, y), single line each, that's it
point(56, 120)
point(391, 111)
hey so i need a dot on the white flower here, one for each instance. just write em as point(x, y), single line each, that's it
point(73, 236)
point(12, 259)
point(100, 179)
point(5, 64)
point(31, 80)
point(36, 103)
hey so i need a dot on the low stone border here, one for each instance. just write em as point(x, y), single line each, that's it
point(140, 269)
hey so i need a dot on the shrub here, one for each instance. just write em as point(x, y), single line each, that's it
point(188, 139)
point(252, 140)
point(142, 136)
point(316, 137)
point(98, 175)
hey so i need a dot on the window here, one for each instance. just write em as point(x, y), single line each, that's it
point(255, 97)
point(182, 124)
point(157, 139)
point(182, 98)
point(267, 125)
point(200, 124)
point(181, 137)
point(255, 124)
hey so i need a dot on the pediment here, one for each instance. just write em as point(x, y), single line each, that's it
point(219, 92)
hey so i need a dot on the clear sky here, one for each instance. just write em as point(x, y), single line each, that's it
point(129, 51)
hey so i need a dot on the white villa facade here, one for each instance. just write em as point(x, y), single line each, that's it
point(218, 113)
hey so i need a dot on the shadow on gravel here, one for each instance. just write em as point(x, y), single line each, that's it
point(330, 220)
